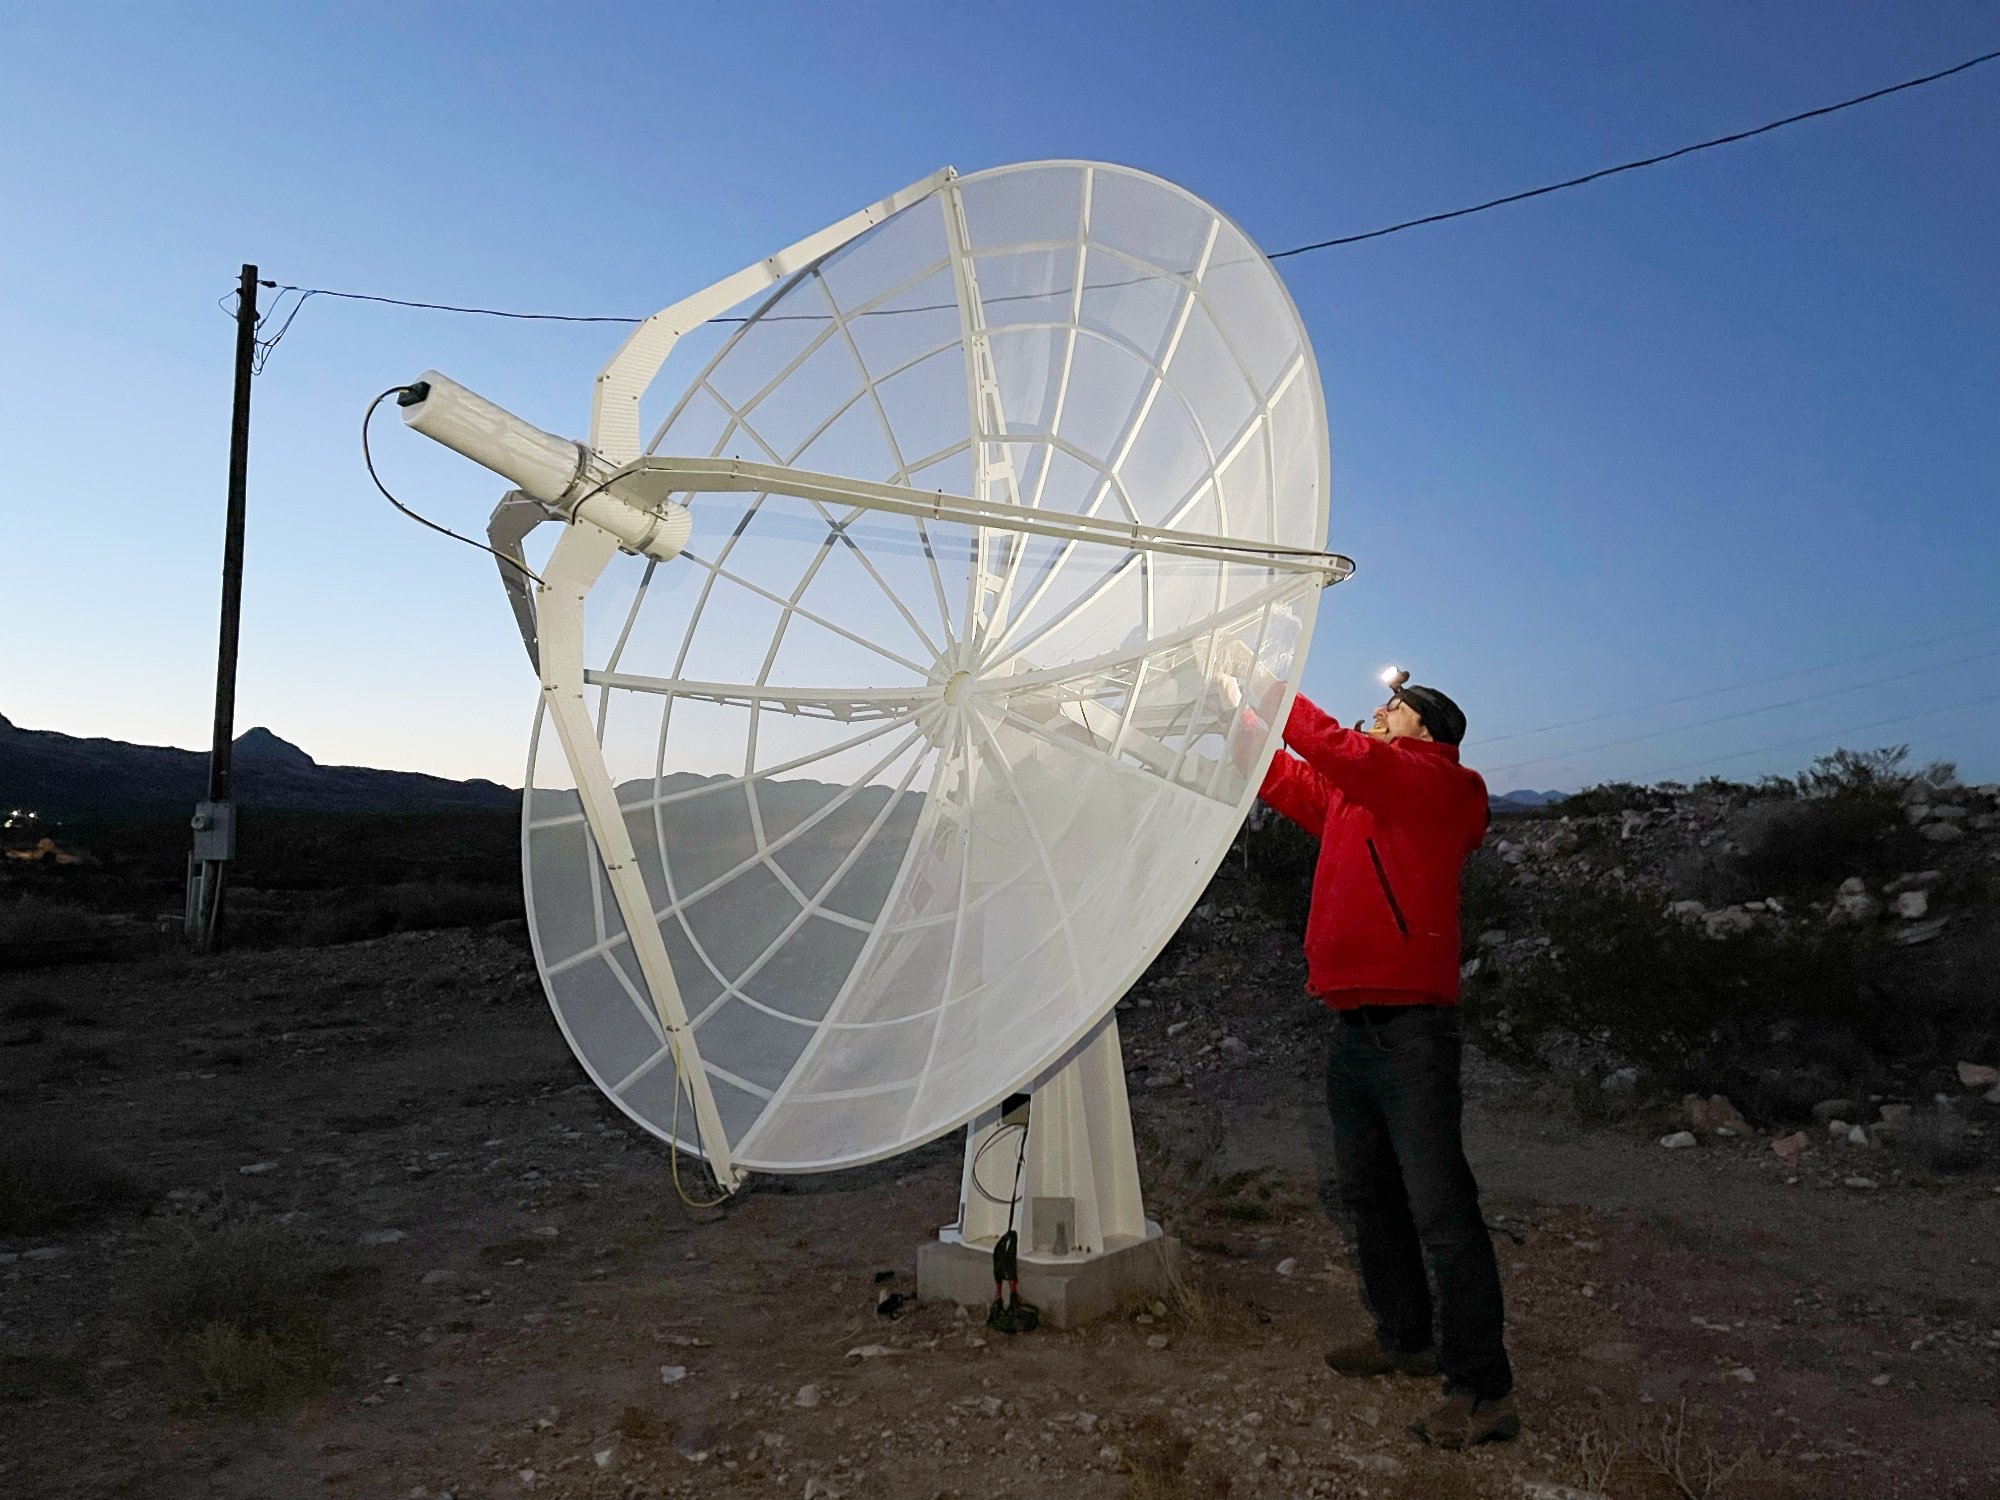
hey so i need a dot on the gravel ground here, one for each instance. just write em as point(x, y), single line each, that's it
point(522, 1306)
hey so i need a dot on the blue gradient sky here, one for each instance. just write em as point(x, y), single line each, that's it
point(1728, 418)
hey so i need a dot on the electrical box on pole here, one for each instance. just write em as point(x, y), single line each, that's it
point(214, 820)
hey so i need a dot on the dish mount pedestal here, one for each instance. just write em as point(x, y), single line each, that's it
point(1086, 1245)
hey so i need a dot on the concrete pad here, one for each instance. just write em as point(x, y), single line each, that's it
point(1068, 1292)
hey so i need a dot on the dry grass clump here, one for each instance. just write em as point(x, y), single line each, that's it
point(237, 1315)
point(1189, 1304)
point(1666, 1457)
point(1157, 1464)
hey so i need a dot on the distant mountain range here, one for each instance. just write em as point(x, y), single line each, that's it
point(69, 780)
point(1523, 800)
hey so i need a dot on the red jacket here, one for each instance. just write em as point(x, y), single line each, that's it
point(1395, 820)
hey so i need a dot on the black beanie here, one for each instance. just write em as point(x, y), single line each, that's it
point(1442, 717)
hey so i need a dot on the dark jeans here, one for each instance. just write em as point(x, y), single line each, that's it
point(1393, 1087)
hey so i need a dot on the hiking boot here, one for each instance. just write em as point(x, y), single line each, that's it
point(1370, 1357)
point(1464, 1420)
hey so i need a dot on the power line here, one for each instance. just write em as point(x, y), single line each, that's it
point(1348, 239)
point(1644, 161)
point(1762, 708)
point(1804, 739)
point(1714, 692)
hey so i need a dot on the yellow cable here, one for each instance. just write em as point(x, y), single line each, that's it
point(674, 1139)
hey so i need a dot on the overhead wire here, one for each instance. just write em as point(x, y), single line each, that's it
point(1732, 687)
point(1823, 735)
point(1601, 173)
point(1644, 161)
point(1762, 708)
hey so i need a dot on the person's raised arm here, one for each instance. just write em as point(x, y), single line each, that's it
point(1298, 791)
point(1359, 765)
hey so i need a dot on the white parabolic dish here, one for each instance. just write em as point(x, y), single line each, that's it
point(917, 801)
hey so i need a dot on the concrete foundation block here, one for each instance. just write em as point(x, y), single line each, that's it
point(1068, 1292)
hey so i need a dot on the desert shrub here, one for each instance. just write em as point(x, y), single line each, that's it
point(1808, 844)
point(35, 919)
point(1485, 899)
point(1282, 857)
point(1658, 991)
point(1613, 797)
point(237, 1315)
point(46, 1185)
point(354, 915)
point(1863, 773)
point(1844, 816)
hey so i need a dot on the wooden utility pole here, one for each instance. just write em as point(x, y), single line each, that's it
point(215, 818)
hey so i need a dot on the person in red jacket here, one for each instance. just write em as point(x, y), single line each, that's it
point(1396, 815)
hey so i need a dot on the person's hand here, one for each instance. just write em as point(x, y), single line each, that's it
point(1238, 675)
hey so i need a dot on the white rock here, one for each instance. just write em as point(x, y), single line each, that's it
point(1679, 1140)
point(1288, 1265)
point(1858, 1182)
point(1856, 908)
point(1620, 1080)
point(381, 1237)
point(1949, 812)
point(1854, 885)
point(1977, 1075)
point(1235, 1046)
point(1158, 1341)
point(1745, 1374)
point(1912, 905)
point(258, 1168)
point(1856, 1136)
point(1942, 833)
point(1992, 1095)
point(807, 1397)
point(1175, 1028)
point(673, 1374)
point(871, 1351)
point(42, 1252)
point(1728, 921)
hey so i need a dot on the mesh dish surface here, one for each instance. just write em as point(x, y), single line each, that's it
point(916, 802)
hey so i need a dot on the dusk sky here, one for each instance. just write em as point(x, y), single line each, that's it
point(1724, 431)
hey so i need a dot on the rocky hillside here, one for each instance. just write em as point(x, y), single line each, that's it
point(1787, 961)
